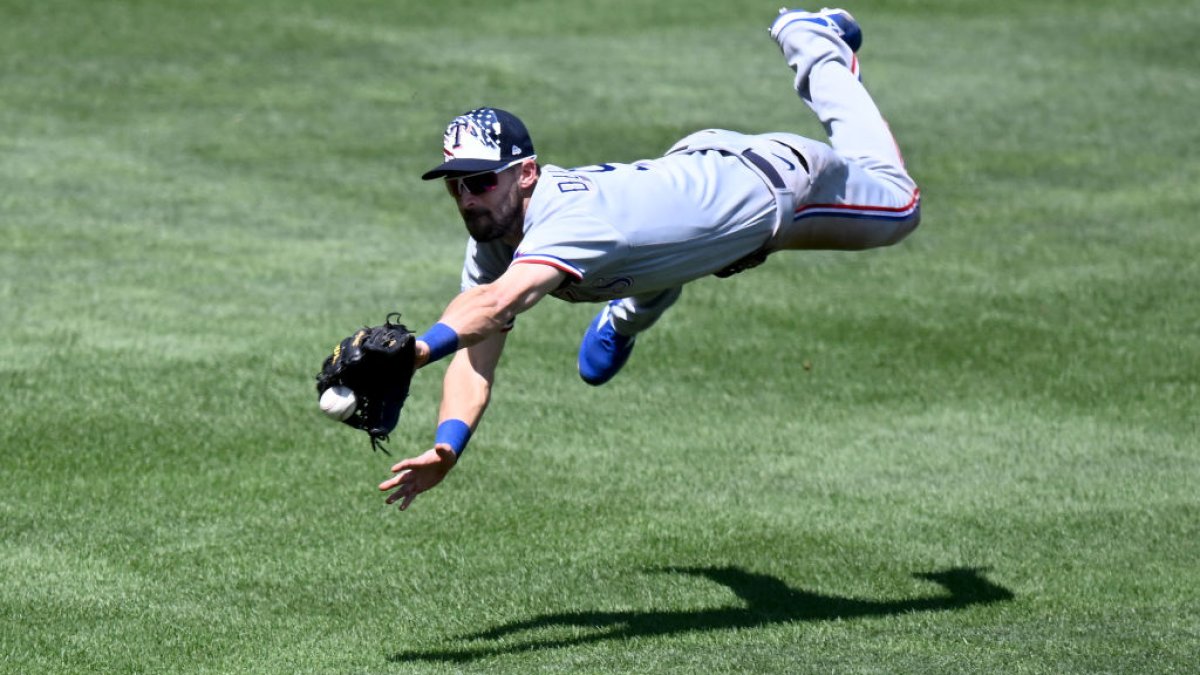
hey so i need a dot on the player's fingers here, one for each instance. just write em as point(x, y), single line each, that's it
point(408, 499)
point(398, 479)
point(406, 490)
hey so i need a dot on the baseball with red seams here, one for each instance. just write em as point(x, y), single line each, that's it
point(339, 402)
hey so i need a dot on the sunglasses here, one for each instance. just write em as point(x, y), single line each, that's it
point(480, 183)
point(476, 184)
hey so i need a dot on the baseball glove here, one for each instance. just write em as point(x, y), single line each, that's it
point(377, 364)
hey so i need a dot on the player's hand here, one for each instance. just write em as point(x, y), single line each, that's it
point(417, 474)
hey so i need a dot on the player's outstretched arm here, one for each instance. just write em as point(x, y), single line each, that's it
point(472, 328)
point(466, 391)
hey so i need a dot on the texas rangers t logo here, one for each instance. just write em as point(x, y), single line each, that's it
point(475, 135)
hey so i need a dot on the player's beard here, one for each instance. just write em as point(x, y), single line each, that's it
point(491, 224)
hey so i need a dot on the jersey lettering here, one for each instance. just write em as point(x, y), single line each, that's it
point(572, 186)
point(567, 182)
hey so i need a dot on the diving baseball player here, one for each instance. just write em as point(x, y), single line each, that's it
point(631, 235)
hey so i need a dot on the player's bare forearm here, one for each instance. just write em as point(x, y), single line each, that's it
point(483, 311)
point(467, 387)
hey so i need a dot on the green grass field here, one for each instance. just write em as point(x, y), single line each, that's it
point(977, 451)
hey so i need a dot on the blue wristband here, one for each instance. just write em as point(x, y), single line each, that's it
point(454, 433)
point(442, 341)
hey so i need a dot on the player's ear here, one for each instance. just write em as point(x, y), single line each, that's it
point(529, 174)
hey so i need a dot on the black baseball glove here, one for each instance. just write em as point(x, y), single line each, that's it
point(377, 364)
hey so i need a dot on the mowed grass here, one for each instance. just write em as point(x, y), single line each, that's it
point(974, 452)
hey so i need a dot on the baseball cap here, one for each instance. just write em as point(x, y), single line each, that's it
point(484, 139)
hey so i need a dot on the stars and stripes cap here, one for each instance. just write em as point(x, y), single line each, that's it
point(484, 139)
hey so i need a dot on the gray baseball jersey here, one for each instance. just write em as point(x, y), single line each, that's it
point(618, 230)
point(640, 231)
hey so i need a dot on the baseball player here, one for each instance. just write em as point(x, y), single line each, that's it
point(631, 235)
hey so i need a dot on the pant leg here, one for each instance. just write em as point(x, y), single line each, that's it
point(859, 194)
point(635, 314)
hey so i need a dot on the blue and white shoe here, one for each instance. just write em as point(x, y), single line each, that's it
point(837, 19)
point(603, 351)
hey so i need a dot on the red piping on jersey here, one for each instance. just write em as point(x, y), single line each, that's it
point(899, 210)
point(556, 264)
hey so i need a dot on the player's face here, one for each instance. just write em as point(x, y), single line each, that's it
point(490, 203)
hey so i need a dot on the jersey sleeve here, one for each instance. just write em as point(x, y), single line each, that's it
point(566, 228)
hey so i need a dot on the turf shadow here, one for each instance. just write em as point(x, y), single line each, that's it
point(767, 601)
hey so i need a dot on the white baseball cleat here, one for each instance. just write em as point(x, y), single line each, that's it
point(839, 20)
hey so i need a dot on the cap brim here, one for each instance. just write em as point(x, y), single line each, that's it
point(463, 167)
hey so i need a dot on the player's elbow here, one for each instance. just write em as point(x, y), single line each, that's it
point(479, 312)
point(497, 307)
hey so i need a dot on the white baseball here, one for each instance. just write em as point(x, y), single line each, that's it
point(338, 402)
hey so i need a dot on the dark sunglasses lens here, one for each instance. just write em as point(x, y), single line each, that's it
point(481, 183)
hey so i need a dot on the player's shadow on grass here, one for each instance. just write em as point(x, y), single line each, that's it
point(767, 601)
